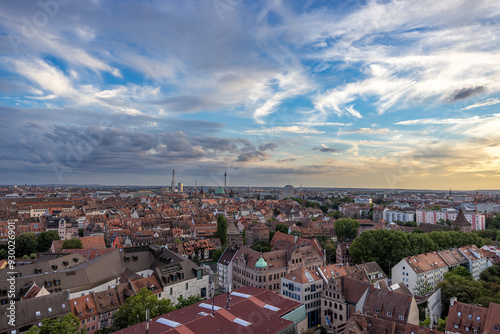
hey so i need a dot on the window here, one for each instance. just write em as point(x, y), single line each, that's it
point(377, 310)
point(455, 326)
point(389, 314)
point(496, 328)
point(467, 329)
point(459, 314)
point(187, 286)
point(57, 282)
point(171, 290)
point(401, 317)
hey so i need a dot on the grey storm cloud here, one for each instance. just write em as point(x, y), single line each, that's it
point(327, 149)
point(269, 146)
point(466, 92)
point(253, 156)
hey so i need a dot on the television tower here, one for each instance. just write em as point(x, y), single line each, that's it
point(173, 181)
point(225, 179)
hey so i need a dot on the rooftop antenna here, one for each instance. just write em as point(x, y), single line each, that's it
point(213, 299)
point(228, 296)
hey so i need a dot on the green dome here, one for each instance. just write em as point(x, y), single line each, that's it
point(220, 191)
point(261, 263)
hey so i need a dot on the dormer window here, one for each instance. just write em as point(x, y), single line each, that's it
point(389, 314)
point(459, 314)
point(377, 310)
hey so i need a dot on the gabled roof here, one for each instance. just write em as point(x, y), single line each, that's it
point(83, 307)
point(388, 304)
point(227, 256)
point(33, 310)
point(303, 275)
point(466, 315)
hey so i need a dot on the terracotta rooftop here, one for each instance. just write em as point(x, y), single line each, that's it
point(251, 310)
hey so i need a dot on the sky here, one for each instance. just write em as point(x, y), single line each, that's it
point(369, 94)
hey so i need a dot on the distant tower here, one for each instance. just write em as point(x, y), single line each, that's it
point(180, 187)
point(172, 187)
point(225, 179)
point(195, 187)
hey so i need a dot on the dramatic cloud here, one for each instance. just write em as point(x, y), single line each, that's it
point(86, 97)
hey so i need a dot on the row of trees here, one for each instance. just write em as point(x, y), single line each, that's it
point(388, 247)
point(27, 244)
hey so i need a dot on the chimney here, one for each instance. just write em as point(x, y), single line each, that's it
point(453, 300)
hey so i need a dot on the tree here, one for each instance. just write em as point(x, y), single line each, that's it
point(80, 232)
point(72, 244)
point(183, 302)
point(441, 324)
point(216, 254)
point(68, 324)
point(25, 244)
point(435, 207)
point(281, 228)
point(491, 274)
point(196, 260)
point(45, 239)
point(422, 287)
point(299, 224)
point(244, 236)
point(134, 309)
point(262, 246)
point(461, 271)
point(221, 232)
point(346, 229)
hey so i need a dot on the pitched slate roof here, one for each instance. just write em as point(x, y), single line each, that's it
point(33, 310)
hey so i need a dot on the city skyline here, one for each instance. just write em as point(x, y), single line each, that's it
point(400, 94)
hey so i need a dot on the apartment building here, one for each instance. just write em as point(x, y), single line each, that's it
point(431, 267)
point(305, 286)
point(392, 215)
point(477, 220)
point(225, 269)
